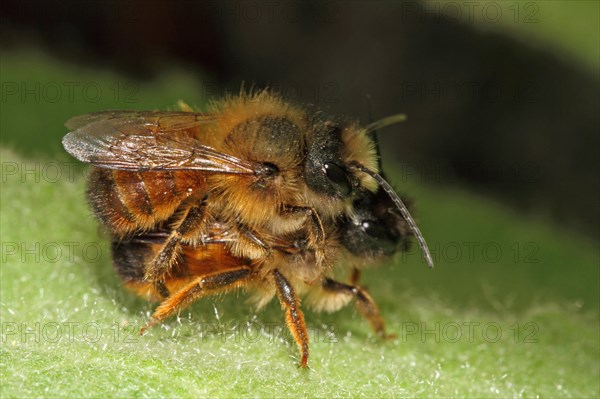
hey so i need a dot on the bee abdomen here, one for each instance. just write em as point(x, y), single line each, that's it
point(107, 202)
point(130, 201)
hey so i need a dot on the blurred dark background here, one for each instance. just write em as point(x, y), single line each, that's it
point(487, 109)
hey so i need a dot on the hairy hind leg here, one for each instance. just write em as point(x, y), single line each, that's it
point(208, 284)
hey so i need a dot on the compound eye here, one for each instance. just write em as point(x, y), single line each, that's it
point(337, 176)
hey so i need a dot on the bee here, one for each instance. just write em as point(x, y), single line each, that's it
point(246, 182)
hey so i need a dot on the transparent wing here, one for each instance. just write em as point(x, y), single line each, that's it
point(148, 140)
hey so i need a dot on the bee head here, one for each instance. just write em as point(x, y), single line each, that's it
point(375, 228)
point(381, 220)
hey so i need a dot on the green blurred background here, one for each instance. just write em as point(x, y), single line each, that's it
point(499, 154)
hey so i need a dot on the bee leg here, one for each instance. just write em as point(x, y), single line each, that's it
point(202, 286)
point(255, 239)
point(366, 305)
point(314, 227)
point(190, 224)
point(293, 315)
